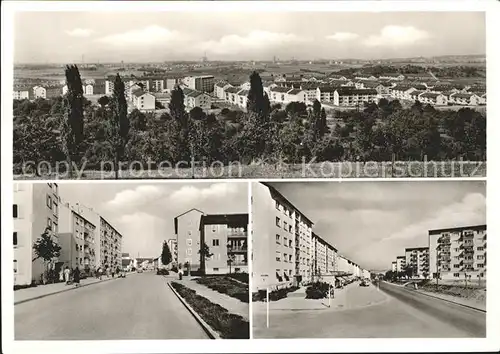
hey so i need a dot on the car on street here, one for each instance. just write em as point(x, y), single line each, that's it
point(122, 274)
point(364, 282)
point(140, 270)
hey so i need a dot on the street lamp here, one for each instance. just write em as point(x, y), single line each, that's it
point(229, 256)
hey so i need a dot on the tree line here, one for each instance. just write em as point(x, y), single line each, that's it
point(70, 128)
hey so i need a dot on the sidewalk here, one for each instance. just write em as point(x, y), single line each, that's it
point(231, 304)
point(28, 294)
point(350, 297)
point(475, 303)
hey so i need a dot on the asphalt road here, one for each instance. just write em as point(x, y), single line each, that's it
point(141, 306)
point(396, 317)
point(469, 320)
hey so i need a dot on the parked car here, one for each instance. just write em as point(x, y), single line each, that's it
point(364, 282)
point(140, 270)
point(122, 274)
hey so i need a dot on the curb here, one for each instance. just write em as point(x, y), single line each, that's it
point(208, 330)
point(60, 291)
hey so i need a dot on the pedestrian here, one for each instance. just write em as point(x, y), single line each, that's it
point(180, 274)
point(107, 272)
point(99, 273)
point(117, 271)
point(76, 277)
point(61, 275)
point(66, 275)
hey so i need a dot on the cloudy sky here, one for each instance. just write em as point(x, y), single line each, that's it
point(62, 37)
point(371, 223)
point(144, 213)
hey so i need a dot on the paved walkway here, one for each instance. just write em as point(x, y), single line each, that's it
point(23, 295)
point(351, 296)
point(231, 304)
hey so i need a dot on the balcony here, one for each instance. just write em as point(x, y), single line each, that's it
point(238, 249)
point(237, 234)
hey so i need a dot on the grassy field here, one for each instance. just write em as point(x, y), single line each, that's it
point(400, 169)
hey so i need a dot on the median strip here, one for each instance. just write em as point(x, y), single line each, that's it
point(212, 316)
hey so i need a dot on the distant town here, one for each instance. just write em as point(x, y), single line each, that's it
point(441, 82)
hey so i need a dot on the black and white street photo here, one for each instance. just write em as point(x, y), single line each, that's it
point(394, 259)
point(173, 95)
point(130, 261)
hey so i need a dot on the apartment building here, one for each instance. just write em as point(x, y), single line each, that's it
point(320, 247)
point(46, 92)
point(296, 95)
point(402, 92)
point(457, 251)
point(465, 99)
point(187, 235)
point(172, 245)
point(194, 98)
point(35, 209)
point(400, 263)
point(227, 239)
point(220, 87)
point(325, 93)
point(279, 94)
point(393, 267)
point(108, 241)
point(143, 101)
point(77, 239)
point(343, 265)
point(231, 95)
point(304, 252)
point(171, 83)
point(351, 97)
point(417, 259)
point(433, 98)
point(204, 83)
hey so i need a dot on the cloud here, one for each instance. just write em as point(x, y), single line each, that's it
point(151, 35)
point(396, 36)
point(253, 41)
point(80, 32)
point(134, 197)
point(470, 211)
point(191, 194)
point(144, 233)
point(343, 36)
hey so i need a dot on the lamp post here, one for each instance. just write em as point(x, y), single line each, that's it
point(229, 256)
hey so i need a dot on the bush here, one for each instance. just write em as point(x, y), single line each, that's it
point(162, 271)
point(25, 286)
point(318, 290)
point(243, 277)
point(274, 295)
point(229, 326)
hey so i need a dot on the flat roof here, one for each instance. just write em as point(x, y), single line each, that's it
point(275, 191)
point(451, 229)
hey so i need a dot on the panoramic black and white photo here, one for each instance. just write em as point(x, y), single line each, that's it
point(391, 259)
point(130, 261)
point(249, 94)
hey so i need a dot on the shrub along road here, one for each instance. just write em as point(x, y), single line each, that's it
point(141, 306)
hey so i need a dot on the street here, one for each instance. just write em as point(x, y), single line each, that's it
point(141, 306)
point(404, 316)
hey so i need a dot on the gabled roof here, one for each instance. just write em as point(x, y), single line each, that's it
point(417, 92)
point(352, 91)
point(309, 85)
point(463, 95)
point(280, 89)
point(138, 93)
point(371, 84)
point(391, 75)
point(190, 210)
point(229, 219)
point(402, 88)
point(294, 91)
point(233, 89)
point(328, 88)
point(431, 94)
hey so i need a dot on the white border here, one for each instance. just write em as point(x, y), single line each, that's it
point(491, 343)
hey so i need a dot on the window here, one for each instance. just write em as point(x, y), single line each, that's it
point(54, 227)
point(215, 242)
point(278, 256)
point(285, 241)
point(290, 243)
point(278, 238)
point(15, 265)
point(278, 222)
point(15, 238)
point(14, 210)
point(189, 242)
point(290, 259)
point(480, 265)
point(216, 269)
point(480, 248)
point(49, 223)
point(456, 275)
point(189, 251)
point(456, 266)
point(77, 250)
point(480, 257)
point(290, 228)
point(285, 257)
point(285, 226)
point(49, 202)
